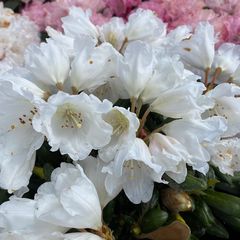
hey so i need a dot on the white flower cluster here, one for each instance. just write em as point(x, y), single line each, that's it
point(16, 33)
point(67, 93)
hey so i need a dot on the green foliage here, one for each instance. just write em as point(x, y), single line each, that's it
point(153, 219)
point(13, 4)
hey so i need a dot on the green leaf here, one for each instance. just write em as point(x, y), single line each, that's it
point(3, 196)
point(13, 4)
point(47, 171)
point(153, 219)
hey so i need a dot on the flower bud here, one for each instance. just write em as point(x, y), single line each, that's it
point(176, 201)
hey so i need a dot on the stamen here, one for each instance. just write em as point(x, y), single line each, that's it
point(74, 118)
point(118, 121)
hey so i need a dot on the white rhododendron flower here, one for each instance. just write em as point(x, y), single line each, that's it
point(193, 133)
point(69, 200)
point(227, 59)
point(74, 124)
point(17, 216)
point(18, 139)
point(78, 23)
point(92, 65)
point(133, 171)
point(227, 106)
point(180, 101)
point(61, 40)
point(17, 33)
point(168, 73)
point(44, 70)
point(225, 155)
point(171, 155)
point(113, 32)
point(125, 125)
point(198, 50)
point(144, 25)
point(136, 68)
point(93, 169)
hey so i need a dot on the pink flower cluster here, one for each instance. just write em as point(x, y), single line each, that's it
point(122, 8)
point(50, 13)
point(223, 14)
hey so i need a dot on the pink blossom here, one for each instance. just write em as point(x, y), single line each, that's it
point(155, 7)
point(177, 11)
point(220, 6)
point(223, 14)
point(50, 13)
point(94, 5)
point(231, 26)
point(122, 8)
point(99, 18)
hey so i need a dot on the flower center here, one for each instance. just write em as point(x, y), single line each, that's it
point(118, 121)
point(71, 117)
point(227, 154)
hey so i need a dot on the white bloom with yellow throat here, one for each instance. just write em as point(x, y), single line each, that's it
point(69, 200)
point(73, 123)
point(133, 171)
point(125, 125)
point(18, 140)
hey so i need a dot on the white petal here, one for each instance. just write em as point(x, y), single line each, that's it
point(193, 133)
point(198, 51)
point(134, 171)
point(113, 32)
point(73, 202)
point(180, 101)
point(18, 214)
point(93, 169)
point(78, 23)
point(93, 65)
point(81, 236)
point(144, 25)
point(39, 61)
point(125, 125)
point(227, 58)
point(18, 140)
point(136, 68)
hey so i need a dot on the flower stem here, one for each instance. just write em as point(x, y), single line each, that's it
point(133, 104)
point(123, 45)
point(144, 119)
point(139, 106)
point(157, 130)
point(207, 70)
point(216, 74)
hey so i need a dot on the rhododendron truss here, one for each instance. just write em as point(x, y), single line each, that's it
point(16, 33)
point(224, 15)
point(112, 120)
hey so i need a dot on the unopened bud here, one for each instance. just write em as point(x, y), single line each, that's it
point(136, 230)
point(176, 201)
